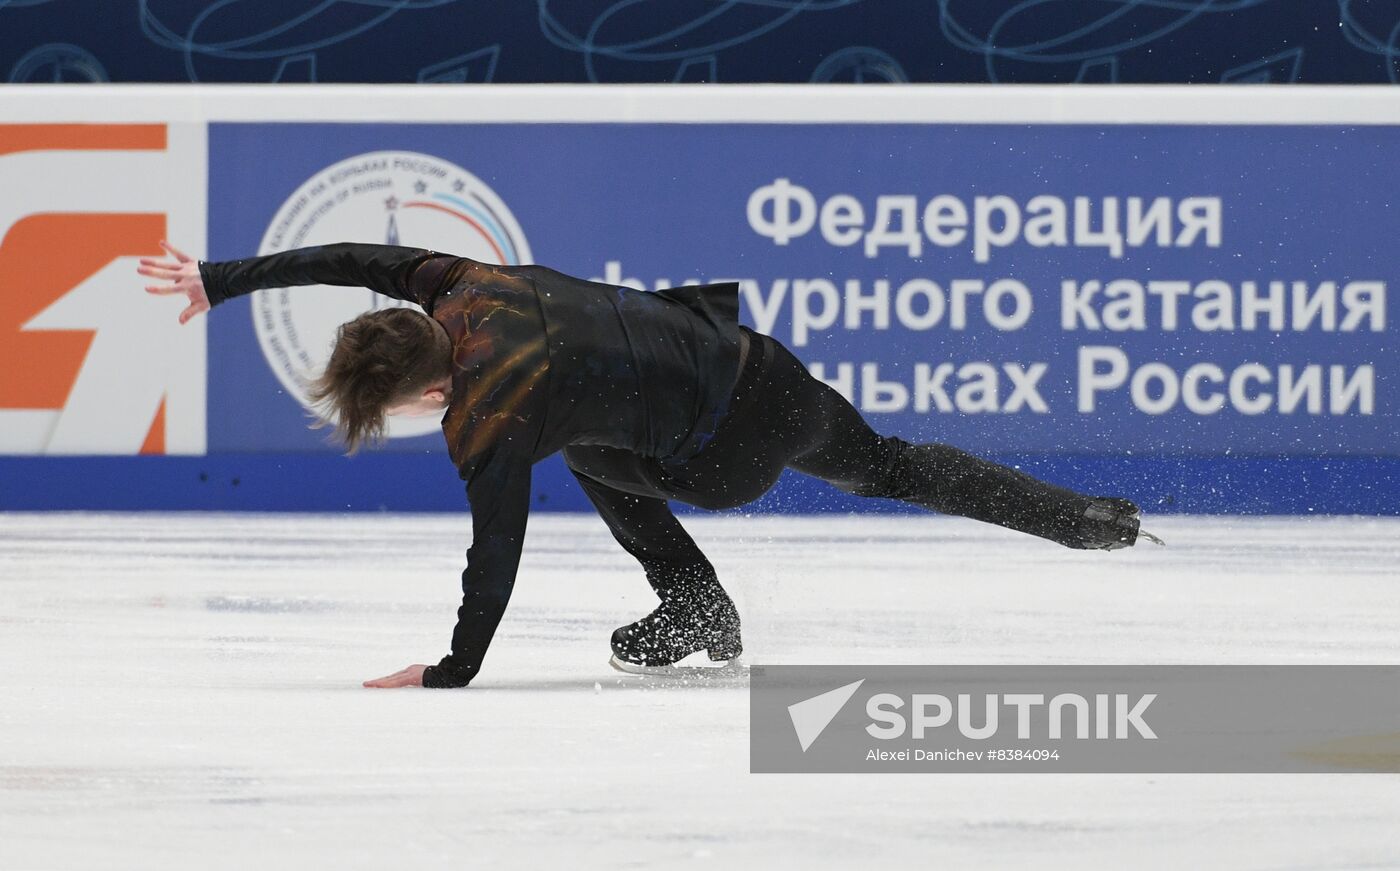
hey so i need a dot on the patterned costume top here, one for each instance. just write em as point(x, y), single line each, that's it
point(540, 360)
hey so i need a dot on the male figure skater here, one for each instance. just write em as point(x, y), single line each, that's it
point(651, 396)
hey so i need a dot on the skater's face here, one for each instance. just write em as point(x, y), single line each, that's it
point(433, 401)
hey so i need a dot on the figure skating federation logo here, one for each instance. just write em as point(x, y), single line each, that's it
point(385, 197)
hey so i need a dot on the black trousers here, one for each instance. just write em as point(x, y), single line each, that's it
point(782, 417)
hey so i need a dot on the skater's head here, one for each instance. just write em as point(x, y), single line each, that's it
point(395, 361)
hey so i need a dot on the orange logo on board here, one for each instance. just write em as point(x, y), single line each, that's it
point(90, 363)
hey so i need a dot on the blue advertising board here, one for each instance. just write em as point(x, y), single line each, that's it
point(1183, 294)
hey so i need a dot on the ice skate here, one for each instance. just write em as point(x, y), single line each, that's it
point(1111, 524)
point(695, 667)
point(680, 627)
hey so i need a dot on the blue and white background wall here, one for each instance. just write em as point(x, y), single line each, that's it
point(1179, 295)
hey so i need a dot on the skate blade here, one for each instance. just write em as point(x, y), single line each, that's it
point(1142, 533)
point(718, 670)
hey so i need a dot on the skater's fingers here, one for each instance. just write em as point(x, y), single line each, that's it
point(158, 271)
point(162, 289)
point(175, 252)
point(385, 682)
point(408, 676)
point(192, 310)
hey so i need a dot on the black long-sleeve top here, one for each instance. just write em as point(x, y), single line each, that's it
point(540, 360)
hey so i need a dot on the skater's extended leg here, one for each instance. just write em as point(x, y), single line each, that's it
point(823, 435)
point(952, 481)
point(849, 454)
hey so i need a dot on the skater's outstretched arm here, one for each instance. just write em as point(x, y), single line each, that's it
point(411, 274)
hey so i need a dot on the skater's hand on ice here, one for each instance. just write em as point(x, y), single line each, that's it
point(405, 677)
point(183, 275)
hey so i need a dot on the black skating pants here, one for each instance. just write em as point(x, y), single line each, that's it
point(782, 417)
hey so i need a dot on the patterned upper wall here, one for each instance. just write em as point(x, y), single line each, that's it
point(1170, 41)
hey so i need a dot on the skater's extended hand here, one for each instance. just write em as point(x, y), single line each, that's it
point(183, 275)
point(405, 677)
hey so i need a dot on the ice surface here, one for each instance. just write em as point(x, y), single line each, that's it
point(182, 692)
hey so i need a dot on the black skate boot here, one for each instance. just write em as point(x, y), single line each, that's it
point(694, 614)
point(1110, 524)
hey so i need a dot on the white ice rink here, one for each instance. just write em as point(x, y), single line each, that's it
point(183, 692)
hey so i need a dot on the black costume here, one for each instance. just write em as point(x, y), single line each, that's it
point(644, 394)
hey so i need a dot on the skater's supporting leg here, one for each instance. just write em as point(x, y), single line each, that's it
point(695, 612)
point(643, 524)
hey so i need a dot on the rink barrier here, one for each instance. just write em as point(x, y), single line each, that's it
point(1204, 294)
point(409, 482)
